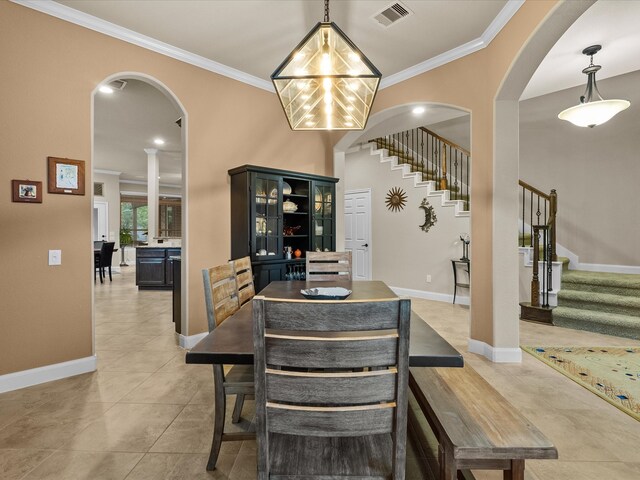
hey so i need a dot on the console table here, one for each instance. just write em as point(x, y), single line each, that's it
point(466, 265)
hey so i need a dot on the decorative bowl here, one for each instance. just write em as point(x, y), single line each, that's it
point(289, 206)
point(326, 293)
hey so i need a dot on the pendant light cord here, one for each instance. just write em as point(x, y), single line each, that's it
point(326, 11)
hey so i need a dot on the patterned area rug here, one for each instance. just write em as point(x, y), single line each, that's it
point(612, 373)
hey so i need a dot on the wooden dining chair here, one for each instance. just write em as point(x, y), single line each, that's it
point(222, 301)
point(328, 266)
point(331, 388)
point(102, 261)
point(244, 279)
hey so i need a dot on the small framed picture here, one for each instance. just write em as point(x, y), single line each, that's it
point(66, 176)
point(26, 191)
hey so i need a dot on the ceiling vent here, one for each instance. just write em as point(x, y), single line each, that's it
point(98, 189)
point(392, 14)
point(118, 84)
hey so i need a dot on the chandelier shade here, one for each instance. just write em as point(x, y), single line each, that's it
point(593, 113)
point(592, 109)
point(326, 83)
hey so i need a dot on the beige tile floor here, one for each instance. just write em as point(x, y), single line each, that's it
point(145, 414)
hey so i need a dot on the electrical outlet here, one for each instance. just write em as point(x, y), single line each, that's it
point(428, 278)
point(55, 257)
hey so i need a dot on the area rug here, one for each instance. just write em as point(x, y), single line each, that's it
point(612, 373)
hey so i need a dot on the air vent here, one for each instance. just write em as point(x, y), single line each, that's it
point(98, 189)
point(118, 84)
point(392, 14)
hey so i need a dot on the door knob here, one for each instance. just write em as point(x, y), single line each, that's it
point(365, 245)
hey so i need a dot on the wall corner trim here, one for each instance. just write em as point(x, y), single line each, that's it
point(438, 297)
point(190, 341)
point(48, 373)
point(495, 354)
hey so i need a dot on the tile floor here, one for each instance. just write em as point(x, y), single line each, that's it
point(145, 414)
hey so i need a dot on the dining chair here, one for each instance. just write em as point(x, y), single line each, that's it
point(244, 279)
point(328, 266)
point(331, 388)
point(102, 260)
point(222, 301)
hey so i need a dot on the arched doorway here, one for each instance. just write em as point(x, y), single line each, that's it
point(393, 240)
point(138, 124)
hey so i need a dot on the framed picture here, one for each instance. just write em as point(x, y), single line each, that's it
point(66, 176)
point(26, 191)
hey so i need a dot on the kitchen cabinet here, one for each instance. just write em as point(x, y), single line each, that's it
point(153, 267)
point(273, 211)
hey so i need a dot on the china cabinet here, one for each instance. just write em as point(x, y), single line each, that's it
point(277, 215)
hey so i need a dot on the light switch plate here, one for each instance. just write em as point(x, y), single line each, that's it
point(55, 257)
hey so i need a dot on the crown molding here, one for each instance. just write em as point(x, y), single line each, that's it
point(508, 11)
point(93, 23)
point(102, 26)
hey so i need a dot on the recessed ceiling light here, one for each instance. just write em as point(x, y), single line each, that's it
point(309, 124)
point(158, 141)
point(105, 89)
point(306, 107)
point(418, 110)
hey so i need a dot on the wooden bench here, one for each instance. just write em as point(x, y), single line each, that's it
point(476, 428)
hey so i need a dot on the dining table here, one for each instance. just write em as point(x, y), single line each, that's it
point(231, 343)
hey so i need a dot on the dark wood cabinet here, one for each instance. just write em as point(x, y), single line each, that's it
point(153, 268)
point(273, 211)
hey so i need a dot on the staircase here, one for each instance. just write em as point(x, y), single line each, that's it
point(607, 303)
point(433, 160)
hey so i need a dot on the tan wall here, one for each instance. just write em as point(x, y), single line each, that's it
point(50, 68)
point(402, 254)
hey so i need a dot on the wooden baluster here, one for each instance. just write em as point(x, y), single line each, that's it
point(535, 282)
point(443, 159)
point(553, 207)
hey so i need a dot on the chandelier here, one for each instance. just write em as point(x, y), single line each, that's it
point(591, 112)
point(326, 83)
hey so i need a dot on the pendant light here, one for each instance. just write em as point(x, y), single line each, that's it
point(591, 112)
point(326, 83)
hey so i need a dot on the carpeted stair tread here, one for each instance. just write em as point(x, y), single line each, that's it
point(599, 322)
point(614, 283)
point(602, 302)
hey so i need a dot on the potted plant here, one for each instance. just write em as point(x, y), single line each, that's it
point(125, 239)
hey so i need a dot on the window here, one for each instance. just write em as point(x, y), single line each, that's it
point(134, 218)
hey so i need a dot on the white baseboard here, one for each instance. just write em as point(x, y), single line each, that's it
point(438, 297)
point(190, 341)
point(495, 354)
point(48, 373)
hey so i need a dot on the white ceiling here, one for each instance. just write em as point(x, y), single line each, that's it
point(255, 36)
point(248, 39)
point(614, 24)
point(126, 122)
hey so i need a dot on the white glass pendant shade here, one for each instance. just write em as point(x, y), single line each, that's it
point(326, 83)
point(593, 113)
point(592, 109)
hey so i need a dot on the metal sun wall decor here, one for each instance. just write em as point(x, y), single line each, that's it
point(396, 199)
point(430, 218)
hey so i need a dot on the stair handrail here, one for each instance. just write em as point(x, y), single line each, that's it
point(445, 141)
point(550, 208)
point(434, 157)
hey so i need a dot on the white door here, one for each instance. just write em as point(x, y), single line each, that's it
point(100, 221)
point(357, 231)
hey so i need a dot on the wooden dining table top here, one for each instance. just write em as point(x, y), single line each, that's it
point(232, 341)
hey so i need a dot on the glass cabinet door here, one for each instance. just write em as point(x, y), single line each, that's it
point(323, 228)
point(267, 207)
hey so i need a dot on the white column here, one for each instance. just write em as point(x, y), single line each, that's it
point(153, 192)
